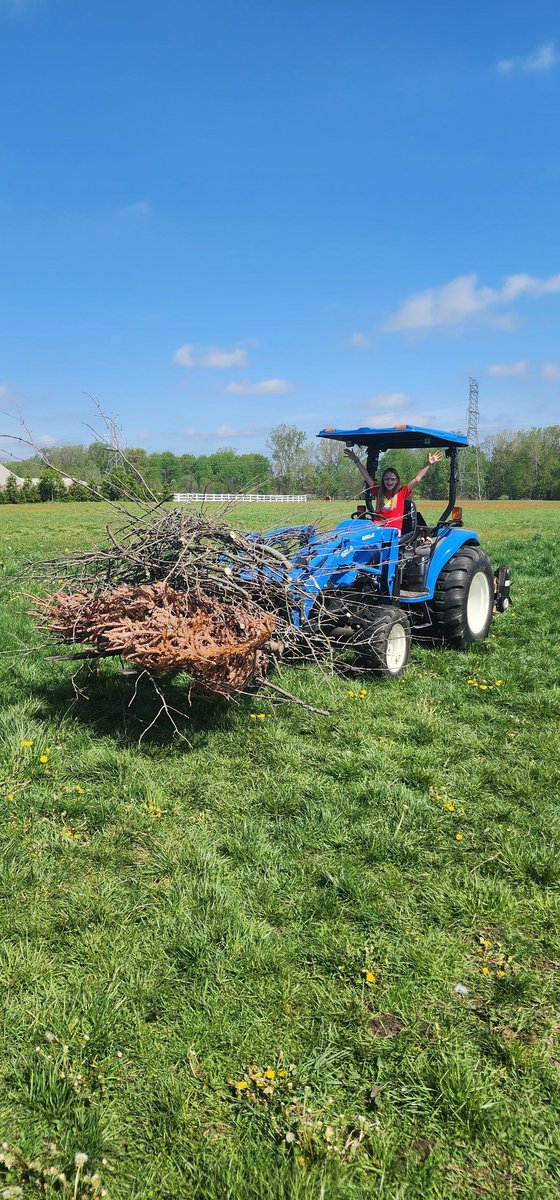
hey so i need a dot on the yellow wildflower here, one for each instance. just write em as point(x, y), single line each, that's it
point(485, 971)
point(363, 693)
point(473, 682)
point(10, 796)
point(483, 687)
point(44, 758)
point(500, 974)
point(459, 837)
point(449, 807)
point(282, 1074)
point(269, 1074)
point(351, 694)
point(240, 1084)
point(26, 743)
point(68, 833)
point(261, 716)
point(485, 942)
point(253, 716)
point(499, 682)
point(370, 977)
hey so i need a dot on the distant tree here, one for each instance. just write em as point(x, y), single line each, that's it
point(12, 493)
point(50, 485)
point(29, 493)
point(291, 455)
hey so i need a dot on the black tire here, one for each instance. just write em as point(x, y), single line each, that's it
point(385, 647)
point(463, 602)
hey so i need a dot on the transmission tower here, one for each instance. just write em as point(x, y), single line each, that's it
point(472, 430)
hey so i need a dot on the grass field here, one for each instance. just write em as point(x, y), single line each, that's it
point(230, 969)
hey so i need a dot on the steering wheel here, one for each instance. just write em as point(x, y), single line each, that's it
point(367, 516)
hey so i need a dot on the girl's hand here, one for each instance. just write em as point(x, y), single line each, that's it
point(434, 458)
point(350, 453)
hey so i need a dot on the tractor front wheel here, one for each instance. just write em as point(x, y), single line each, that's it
point(464, 598)
point(386, 642)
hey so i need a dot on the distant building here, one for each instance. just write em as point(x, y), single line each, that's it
point(5, 475)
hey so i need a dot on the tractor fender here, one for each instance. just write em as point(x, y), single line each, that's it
point(446, 546)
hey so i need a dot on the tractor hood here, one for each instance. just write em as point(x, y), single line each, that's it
point(336, 559)
point(403, 437)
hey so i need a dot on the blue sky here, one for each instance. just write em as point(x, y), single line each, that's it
point(218, 217)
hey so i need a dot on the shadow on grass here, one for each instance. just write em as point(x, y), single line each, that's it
point(125, 707)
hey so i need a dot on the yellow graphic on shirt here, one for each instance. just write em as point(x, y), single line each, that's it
point(387, 504)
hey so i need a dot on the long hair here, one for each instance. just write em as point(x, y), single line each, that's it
point(381, 495)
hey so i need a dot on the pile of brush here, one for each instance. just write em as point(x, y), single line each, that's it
point(176, 591)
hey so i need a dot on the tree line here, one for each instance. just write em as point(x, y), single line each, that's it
point(515, 465)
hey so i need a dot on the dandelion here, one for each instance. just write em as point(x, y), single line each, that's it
point(253, 716)
point(351, 694)
point(500, 974)
point(473, 682)
point(26, 742)
point(458, 837)
point(80, 1159)
point(68, 833)
point(269, 1074)
point(240, 1084)
point(484, 942)
point(483, 687)
point(450, 807)
point(485, 971)
point(498, 683)
point(44, 758)
point(363, 693)
point(370, 978)
point(10, 796)
point(261, 716)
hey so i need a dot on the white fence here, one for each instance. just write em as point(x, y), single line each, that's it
point(243, 497)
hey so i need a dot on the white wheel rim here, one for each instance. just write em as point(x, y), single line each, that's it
point(396, 648)
point(478, 603)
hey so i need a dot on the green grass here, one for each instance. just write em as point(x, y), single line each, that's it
point(223, 904)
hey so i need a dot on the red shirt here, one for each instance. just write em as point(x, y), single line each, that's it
point(392, 507)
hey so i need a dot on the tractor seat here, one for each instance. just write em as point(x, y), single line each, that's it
point(413, 521)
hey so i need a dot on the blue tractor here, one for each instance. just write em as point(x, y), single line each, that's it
point(369, 588)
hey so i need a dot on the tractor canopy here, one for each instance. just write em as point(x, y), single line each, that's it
point(398, 437)
point(401, 437)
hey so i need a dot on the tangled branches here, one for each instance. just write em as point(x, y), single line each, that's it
point(174, 591)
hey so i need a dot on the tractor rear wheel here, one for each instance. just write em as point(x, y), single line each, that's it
point(463, 600)
point(386, 642)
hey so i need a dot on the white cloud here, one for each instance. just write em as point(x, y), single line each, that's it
point(183, 356)
point(264, 388)
point(143, 209)
point(544, 58)
point(223, 431)
point(46, 440)
point(211, 356)
point(359, 340)
point(228, 431)
point(388, 400)
point(551, 371)
point(509, 370)
point(462, 299)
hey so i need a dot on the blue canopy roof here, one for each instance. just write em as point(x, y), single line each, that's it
point(396, 437)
